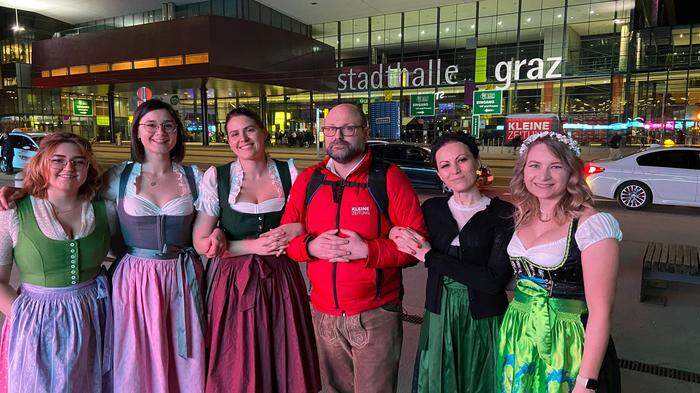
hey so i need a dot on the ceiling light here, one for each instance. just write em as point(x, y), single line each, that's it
point(17, 28)
point(617, 21)
point(500, 22)
point(472, 27)
point(558, 15)
point(528, 20)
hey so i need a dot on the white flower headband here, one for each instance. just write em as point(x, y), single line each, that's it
point(570, 143)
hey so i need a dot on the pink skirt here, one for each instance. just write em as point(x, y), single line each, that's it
point(146, 312)
point(260, 334)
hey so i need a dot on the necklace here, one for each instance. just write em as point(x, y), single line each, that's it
point(151, 180)
point(545, 219)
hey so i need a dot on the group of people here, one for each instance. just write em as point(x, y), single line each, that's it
point(160, 321)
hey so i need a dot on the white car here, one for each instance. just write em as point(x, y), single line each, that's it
point(25, 146)
point(658, 174)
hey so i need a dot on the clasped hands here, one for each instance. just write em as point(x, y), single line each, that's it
point(336, 245)
point(273, 242)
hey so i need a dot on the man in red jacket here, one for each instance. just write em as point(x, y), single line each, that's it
point(353, 267)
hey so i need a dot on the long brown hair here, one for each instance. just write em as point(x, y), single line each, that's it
point(577, 197)
point(35, 181)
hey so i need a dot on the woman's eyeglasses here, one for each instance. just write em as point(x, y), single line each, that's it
point(59, 163)
point(151, 127)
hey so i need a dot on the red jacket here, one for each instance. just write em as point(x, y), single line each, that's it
point(360, 285)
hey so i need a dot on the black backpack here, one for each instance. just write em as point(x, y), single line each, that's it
point(376, 184)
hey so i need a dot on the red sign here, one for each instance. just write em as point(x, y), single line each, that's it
point(526, 125)
point(144, 93)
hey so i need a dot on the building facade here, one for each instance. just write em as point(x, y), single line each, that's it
point(601, 66)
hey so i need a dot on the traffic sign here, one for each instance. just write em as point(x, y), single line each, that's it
point(488, 102)
point(422, 105)
point(475, 126)
point(144, 93)
point(82, 107)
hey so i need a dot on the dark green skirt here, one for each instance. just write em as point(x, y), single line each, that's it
point(456, 353)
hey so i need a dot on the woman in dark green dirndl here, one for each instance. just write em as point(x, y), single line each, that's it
point(555, 335)
point(468, 270)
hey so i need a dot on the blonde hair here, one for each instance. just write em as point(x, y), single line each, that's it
point(577, 197)
point(35, 180)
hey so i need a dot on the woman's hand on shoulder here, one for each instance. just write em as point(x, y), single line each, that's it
point(8, 196)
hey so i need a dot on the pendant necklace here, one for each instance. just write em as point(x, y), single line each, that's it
point(544, 220)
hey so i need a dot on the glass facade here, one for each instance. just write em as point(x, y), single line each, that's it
point(587, 37)
point(241, 9)
point(584, 60)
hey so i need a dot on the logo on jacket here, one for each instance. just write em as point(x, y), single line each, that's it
point(360, 211)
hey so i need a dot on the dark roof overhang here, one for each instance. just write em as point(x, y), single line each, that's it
point(221, 47)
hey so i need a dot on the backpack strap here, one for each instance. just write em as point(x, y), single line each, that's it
point(377, 185)
point(189, 174)
point(124, 178)
point(312, 186)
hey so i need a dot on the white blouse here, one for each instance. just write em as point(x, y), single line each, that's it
point(135, 204)
point(597, 227)
point(462, 214)
point(208, 201)
point(48, 224)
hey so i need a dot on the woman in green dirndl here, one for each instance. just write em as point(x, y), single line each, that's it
point(468, 270)
point(555, 335)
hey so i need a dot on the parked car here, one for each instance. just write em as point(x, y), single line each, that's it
point(659, 174)
point(414, 160)
point(25, 145)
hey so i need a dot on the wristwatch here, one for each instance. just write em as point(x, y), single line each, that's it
point(588, 383)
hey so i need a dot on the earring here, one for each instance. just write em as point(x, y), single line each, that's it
point(445, 189)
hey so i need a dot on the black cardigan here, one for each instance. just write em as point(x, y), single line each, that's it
point(483, 265)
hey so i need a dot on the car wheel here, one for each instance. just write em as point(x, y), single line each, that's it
point(634, 195)
point(3, 165)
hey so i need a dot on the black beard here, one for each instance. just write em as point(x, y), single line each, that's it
point(342, 157)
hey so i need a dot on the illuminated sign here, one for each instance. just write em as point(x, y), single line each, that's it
point(526, 125)
point(508, 71)
point(82, 107)
point(386, 77)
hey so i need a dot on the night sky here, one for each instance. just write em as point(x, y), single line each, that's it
point(687, 12)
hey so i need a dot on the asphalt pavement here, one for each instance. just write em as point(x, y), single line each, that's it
point(652, 339)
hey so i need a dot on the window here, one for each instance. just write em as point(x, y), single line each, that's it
point(417, 155)
point(392, 153)
point(681, 159)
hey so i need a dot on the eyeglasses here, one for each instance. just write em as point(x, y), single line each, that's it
point(152, 127)
point(348, 130)
point(59, 163)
